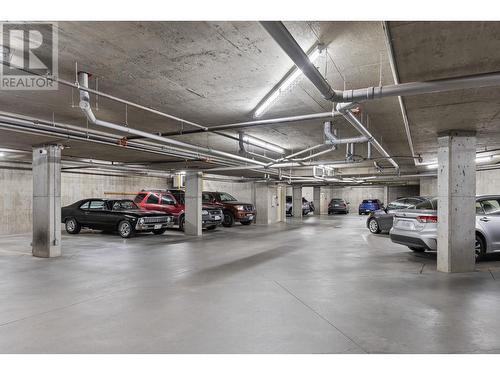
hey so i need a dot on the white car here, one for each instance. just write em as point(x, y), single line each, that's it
point(417, 228)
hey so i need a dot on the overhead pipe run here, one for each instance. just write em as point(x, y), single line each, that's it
point(85, 106)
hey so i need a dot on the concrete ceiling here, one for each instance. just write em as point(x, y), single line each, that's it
point(217, 72)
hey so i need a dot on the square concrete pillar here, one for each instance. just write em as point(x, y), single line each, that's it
point(282, 202)
point(297, 201)
point(263, 203)
point(194, 186)
point(456, 201)
point(46, 241)
point(317, 200)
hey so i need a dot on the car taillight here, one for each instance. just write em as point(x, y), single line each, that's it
point(427, 219)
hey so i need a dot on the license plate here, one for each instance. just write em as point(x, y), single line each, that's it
point(405, 224)
point(216, 217)
point(250, 217)
point(157, 226)
point(335, 205)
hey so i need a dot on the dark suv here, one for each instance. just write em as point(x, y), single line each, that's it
point(232, 208)
point(172, 202)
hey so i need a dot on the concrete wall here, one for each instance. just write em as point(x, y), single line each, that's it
point(242, 191)
point(428, 186)
point(487, 182)
point(395, 192)
point(17, 193)
point(355, 195)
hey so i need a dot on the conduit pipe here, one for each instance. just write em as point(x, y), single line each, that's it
point(85, 106)
point(286, 41)
point(333, 140)
point(349, 116)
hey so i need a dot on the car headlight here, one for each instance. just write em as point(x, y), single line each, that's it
point(239, 207)
point(141, 221)
point(204, 212)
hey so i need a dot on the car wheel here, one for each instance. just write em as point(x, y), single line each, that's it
point(373, 226)
point(416, 249)
point(246, 222)
point(181, 223)
point(228, 219)
point(211, 227)
point(360, 213)
point(72, 226)
point(125, 229)
point(479, 247)
point(289, 212)
point(159, 231)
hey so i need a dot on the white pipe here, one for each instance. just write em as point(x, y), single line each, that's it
point(85, 106)
point(333, 140)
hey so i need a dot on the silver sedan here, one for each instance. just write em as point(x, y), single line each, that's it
point(417, 228)
point(381, 220)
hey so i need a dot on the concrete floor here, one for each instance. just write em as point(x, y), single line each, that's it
point(323, 286)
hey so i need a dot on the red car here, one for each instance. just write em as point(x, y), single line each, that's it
point(172, 202)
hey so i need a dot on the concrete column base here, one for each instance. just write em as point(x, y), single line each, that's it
point(46, 241)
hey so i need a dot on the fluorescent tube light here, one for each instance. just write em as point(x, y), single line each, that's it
point(284, 85)
point(263, 144)
point(484, 159)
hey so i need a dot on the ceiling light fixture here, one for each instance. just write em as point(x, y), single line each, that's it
point(2, 154)
point(285, 83)
point(263, 144)
point(484, 159)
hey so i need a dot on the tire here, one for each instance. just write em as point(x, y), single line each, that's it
point(416, 249)
point(125, 229)
point(289, 212)
point(479, 247)
point(211, 227)
point(246, 222)
point(228, 219)
point(181, 223)
point(159, 231)
point(72, 226)
point(360, 213)
point(373, 226)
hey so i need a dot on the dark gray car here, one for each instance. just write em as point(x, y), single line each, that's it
point(381, 220)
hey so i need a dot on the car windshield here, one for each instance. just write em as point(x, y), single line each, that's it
point(337, 201)
point(225, 197)
point(124, 205)
point(179, 196)
point(428, 204)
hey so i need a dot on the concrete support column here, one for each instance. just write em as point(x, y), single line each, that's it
point(264, 203)
point(456, 197)
point(317, 200)
point(46, 201)
point(282, 202)
point(297, 201)
point(194, 186)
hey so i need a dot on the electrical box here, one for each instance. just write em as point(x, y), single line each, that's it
point(179, 181)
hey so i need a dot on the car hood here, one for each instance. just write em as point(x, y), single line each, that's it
point(143, 213)
point(234, 203)
point(210, 206)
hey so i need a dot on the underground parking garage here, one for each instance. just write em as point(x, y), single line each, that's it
point(250, 187)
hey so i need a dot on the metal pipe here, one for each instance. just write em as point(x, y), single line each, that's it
point(85, 106)
point(333, 140)
point(282, 36)
point(395, 75)
point(427, 87)
point(361, 128)
point(104, 95)
point(248, 124)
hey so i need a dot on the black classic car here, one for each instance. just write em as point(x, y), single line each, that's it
point(120, 215)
